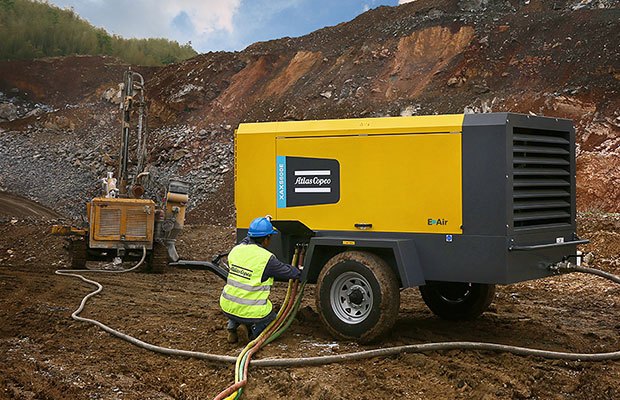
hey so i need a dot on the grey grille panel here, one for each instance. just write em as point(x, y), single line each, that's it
point(539, 194)
point(540, 150)
point(535, 138)
point(542, 171)
point(136, 223)
point(541, 178)
point(540, 182)
point(529, 160)
point(540, 204)
point(109, 222)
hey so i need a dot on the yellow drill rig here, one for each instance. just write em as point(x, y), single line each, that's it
point(121, 223)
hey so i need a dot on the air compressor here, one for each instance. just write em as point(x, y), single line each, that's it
point(451, 204)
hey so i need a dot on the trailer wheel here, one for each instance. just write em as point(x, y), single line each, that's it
point(457, 300)
point(78, 249)
point(357, 296)
point(157, 259)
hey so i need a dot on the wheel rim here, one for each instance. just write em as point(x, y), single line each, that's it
point(455, 293)
point(351, 297)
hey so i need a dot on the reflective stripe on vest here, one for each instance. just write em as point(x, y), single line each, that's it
point(243, 301)
point(245, 294)
point(249, 288)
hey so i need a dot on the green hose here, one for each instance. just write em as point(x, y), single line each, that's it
point(241, 365)
point(287, 322)
point(291, 316)
point(284, 318)
point(277, 328)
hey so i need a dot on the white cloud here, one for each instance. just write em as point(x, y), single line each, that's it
point(153, 18)
point(405, 1)
point(206, 15)
point(214, 24)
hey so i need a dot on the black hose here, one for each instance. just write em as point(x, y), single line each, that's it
point(593, 271)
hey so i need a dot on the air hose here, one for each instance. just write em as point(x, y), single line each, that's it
point(566, 267)
point(74, 273)
point(561, 268)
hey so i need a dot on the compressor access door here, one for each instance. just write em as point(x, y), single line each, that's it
point(378, 182)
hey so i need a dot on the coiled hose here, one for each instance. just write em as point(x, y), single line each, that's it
point(322, 360)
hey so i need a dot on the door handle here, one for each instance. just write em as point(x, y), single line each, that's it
point(363, 226)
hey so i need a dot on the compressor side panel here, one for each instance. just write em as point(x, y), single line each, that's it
point(257, 184)
point(255, 176)
point(373, 183)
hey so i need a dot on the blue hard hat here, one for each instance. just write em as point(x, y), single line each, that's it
point(261, 227)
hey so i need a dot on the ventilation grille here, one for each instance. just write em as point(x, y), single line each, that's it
point(542, 178)
point(136, 223)
point(109, 222)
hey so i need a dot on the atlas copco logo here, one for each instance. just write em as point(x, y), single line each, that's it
point(316, 181)
point(307, 181)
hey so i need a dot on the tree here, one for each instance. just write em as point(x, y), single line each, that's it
point(7, 4)
point(104, 42)
point(33, 28)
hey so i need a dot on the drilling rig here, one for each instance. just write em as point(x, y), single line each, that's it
point(121, 222)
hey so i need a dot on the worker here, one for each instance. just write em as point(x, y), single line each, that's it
point(252, 270)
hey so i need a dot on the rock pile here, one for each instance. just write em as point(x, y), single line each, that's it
point(13, 108)
point(64, 174)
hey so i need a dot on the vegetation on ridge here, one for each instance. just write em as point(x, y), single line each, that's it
point(33, 29)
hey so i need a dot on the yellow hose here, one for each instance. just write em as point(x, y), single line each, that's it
point(240, 371)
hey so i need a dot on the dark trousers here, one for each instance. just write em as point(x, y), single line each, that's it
point(255, 327)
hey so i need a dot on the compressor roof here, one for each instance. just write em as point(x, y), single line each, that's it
point(355, 126)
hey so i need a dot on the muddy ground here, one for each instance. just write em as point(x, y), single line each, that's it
point(556, 58)
point(47, 355)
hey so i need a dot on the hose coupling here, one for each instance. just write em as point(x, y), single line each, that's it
point(563, 267)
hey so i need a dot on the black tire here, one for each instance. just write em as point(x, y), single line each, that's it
point(157, 259)
point(357, 296)
point(78, 248)
point(457, 300)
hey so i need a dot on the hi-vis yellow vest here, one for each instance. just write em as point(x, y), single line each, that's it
point(245, 294)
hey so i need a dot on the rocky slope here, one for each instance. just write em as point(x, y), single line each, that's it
point(59, 121)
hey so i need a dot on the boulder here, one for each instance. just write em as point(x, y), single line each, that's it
point(8, 111)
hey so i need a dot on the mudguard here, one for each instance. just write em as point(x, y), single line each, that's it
point(400, 254)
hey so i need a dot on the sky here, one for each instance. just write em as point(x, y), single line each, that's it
point(212, 25)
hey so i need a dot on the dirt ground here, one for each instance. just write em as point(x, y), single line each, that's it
point(47, 355)
point(553, 58)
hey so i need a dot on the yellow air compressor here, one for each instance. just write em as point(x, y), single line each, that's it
point(452, 204)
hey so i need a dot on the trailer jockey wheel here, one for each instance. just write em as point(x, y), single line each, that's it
point(457, 300)
point(357, 296)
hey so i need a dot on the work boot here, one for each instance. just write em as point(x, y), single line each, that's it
point(232, 336)
point(243, 334)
